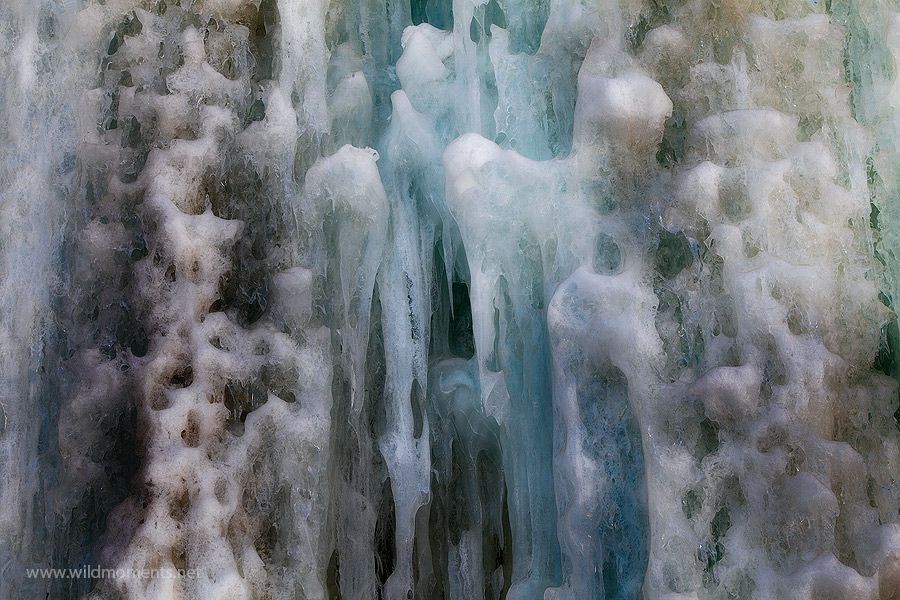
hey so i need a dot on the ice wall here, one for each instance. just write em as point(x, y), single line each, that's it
point(513, 299)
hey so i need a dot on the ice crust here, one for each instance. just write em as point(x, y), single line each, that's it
point(549, 300)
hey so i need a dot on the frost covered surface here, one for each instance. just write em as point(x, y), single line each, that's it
point(524, 300)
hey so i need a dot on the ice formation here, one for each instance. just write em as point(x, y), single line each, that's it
point(467, 299)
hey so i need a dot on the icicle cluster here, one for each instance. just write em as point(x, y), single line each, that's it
point(465, 300)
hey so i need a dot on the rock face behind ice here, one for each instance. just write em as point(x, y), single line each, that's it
point(472, 300)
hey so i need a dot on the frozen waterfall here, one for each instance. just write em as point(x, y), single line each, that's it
point(449, 299)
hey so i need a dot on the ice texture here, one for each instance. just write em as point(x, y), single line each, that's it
point(465, 299)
